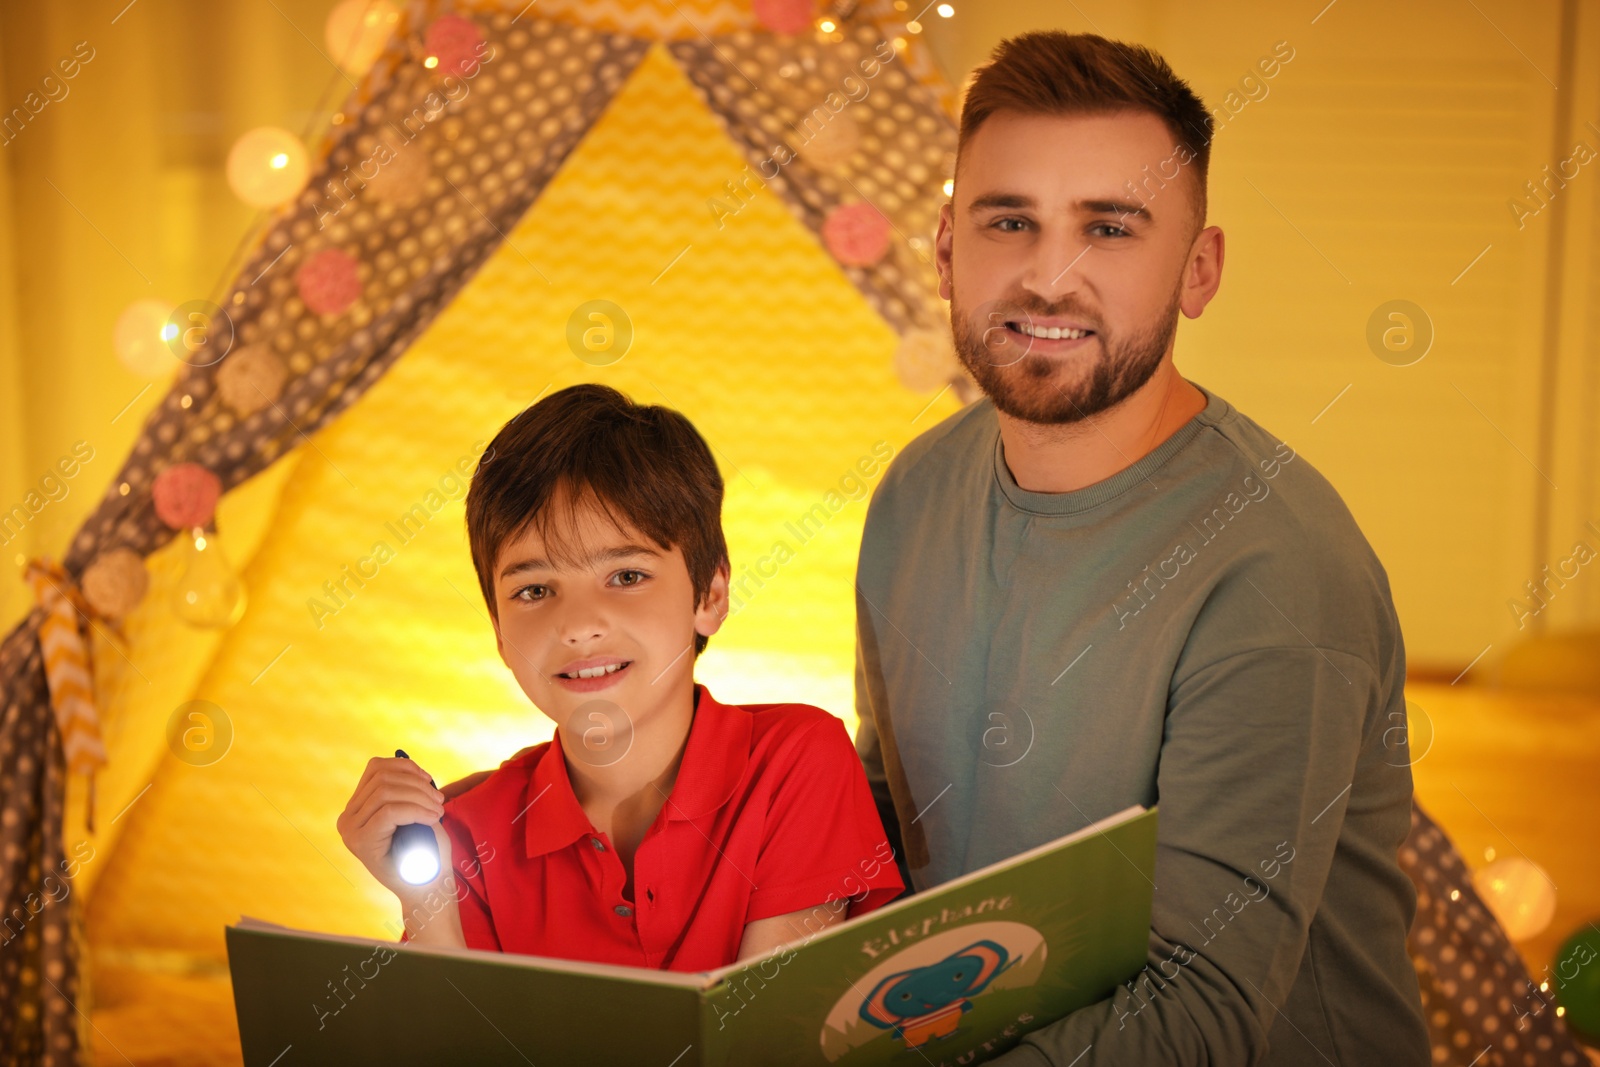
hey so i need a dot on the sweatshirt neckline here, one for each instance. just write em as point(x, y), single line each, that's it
point(1077, 501)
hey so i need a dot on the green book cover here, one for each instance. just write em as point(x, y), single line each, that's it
point(956, 974)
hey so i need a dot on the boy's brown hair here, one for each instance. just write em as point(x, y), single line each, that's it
point(1056, 73)
point(642, 464)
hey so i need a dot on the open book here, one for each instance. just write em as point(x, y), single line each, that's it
point(954, 974)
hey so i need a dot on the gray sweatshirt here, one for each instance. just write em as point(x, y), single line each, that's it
point(1207, 630)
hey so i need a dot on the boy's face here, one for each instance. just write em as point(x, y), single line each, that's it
point(621, 604)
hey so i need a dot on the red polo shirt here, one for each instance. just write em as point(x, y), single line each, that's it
point(770, 814)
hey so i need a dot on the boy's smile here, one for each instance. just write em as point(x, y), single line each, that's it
point(592, 674)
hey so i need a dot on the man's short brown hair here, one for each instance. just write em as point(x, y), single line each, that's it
point(1055, 73)
point(642, 464)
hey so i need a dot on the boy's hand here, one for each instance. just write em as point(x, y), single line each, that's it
point(393, 792)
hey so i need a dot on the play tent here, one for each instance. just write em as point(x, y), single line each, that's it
point(724, 208)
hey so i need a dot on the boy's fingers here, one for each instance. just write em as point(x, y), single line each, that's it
point(387, 777)
point(415, 795)
point(391, 816)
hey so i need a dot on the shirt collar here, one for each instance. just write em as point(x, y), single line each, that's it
point(714, 761)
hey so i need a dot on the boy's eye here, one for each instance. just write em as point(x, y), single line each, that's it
point(534, 592)
point(629, 577)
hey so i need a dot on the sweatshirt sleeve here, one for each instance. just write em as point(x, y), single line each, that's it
point(1246, 836)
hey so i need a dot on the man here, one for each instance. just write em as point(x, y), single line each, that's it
point(1102, 585)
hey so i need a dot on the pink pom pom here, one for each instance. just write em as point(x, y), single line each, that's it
point(454, 41)
point(857, 234)
point(784, 16)
point(186, 495)
point(329, 282)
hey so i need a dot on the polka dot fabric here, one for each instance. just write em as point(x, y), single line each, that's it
point(1482, 1008)
point(39, 1021)
point(781, 94)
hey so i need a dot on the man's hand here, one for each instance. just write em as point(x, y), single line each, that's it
point(392, 792)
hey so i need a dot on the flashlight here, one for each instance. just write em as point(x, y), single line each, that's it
point(414, 848)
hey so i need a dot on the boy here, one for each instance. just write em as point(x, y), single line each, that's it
point(659, 828)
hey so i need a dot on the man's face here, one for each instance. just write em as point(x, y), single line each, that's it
point(621, 606)
point(1046, 237)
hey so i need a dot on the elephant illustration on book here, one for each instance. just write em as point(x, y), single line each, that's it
point(926, 1003)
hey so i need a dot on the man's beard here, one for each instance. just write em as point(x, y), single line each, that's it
point(1044, 389)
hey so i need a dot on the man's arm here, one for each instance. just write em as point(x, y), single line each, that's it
point(1255, 778)
point(869, 748)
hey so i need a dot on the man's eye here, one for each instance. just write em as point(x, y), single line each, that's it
point(534, 592)
point(1000, 225)
point(1106, 229)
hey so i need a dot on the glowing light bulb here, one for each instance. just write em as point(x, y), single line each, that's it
point(914, 26)
point(267, 166)
point(945, 10)
point(949, 186)
point(209, 595)
point(827, 25)
point(140, 335)
point(431, 62)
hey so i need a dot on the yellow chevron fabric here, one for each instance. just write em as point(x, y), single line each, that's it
point(66, 665)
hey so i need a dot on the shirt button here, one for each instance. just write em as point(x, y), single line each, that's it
point(600, 846)
point(623, 910)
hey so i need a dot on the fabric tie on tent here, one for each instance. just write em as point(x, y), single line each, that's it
point(63, 641)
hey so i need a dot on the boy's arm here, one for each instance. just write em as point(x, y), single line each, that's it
point(764, 935)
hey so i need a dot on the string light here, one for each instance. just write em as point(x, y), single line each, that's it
point(431, 62)
point(945, 10)
point(913, 26)
point(827, 26)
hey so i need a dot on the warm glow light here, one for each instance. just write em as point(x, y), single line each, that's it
point(431, 62)
point(140, 335)
point(914, 26)
point(945, 10)
point(199, 544)
point(827, 25)
point(267, 167)
point(949, 186)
